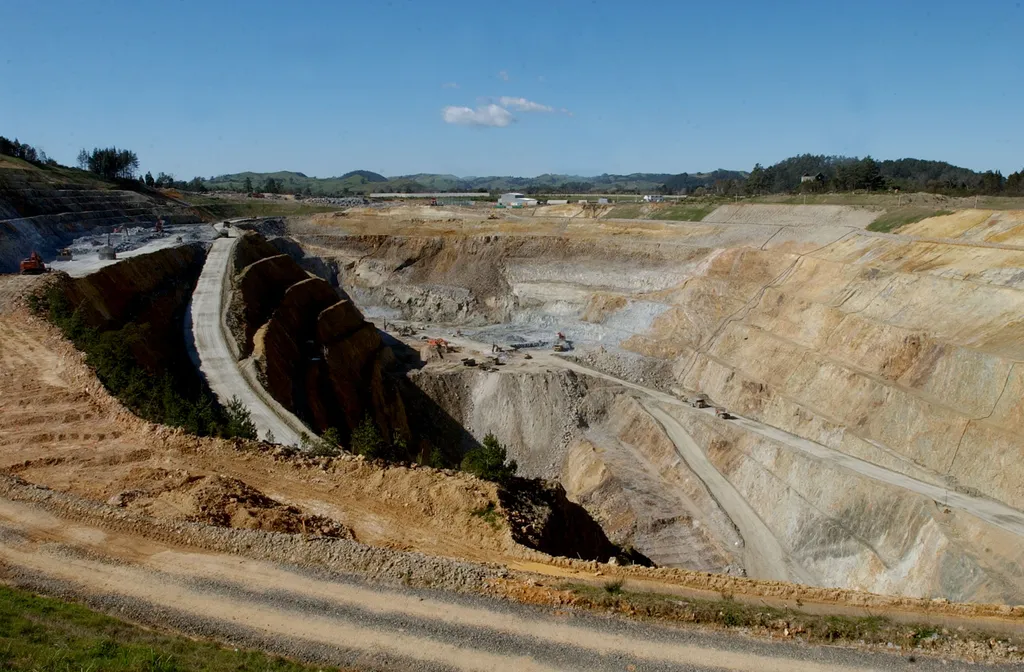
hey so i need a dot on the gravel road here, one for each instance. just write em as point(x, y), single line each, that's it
point(989, 510)
point(215, 359)
point(333, 619)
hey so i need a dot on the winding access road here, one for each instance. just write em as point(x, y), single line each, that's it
point(337, 620)
point(213, 354)
point(989, 510)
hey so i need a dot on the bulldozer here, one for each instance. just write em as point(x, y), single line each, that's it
point(65, 254)
point(33, 265)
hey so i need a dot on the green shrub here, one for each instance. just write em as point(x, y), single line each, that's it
point(614, 586)
point(239, 422)
point(489, 461)
point(328, 445)
point(489, 514)
point(368, 442)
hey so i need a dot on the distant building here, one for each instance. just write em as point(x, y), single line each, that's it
point(807, 177)
point(653, 198)
point(515, 199)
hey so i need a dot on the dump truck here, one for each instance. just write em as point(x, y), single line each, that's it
point(699, 401)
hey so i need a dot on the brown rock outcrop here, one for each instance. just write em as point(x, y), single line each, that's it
point(288, 344)
point(313, 349)
point(259, 288)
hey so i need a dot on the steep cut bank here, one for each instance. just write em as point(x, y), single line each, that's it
point(44, 208)
point(897, 353)
point(129, 320)
point(312, 349)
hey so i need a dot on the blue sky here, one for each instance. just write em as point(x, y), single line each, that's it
point(398, 87)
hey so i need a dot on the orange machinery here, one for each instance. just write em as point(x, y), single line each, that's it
point(33, 265)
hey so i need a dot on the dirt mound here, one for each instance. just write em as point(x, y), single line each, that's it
point(225, 502)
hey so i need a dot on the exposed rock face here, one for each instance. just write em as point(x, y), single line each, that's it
point(542, 517)
point(313, 349)
point(288, 342)
point(151, 289)
point(249, 249)
point(904, 354)
point(260, 288)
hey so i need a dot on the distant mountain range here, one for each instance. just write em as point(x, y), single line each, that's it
point(805, 172)
point(364, 181)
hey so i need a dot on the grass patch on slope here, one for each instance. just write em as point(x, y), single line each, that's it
point(816, 628)
point(218, 208)
point(39, 633)
point(626, 211)
point(677, 212)
point(894, 219)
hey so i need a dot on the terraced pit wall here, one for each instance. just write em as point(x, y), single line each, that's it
point(44, 209)
point(900, 353)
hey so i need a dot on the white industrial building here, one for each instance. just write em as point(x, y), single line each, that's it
point(516, 200)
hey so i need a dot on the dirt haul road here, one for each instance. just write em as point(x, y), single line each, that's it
point(331, 619)
point(216, 360)
point(986, 509)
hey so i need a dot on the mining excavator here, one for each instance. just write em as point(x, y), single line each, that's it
point(33, 265)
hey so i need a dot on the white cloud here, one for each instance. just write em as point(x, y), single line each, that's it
point(503, 75)
point(565, 111)
point(524, 105)
point(487, 115)
point(450, 85)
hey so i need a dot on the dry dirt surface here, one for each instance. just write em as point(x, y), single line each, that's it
point(60, 428)
point(174, 529)
point(154, 574)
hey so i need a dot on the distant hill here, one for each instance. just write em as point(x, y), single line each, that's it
point(367, 175)
point(824, 173)
point(844, 173)
point(354, 182)
point(364, 181)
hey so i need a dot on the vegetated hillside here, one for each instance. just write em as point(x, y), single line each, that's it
point(43, 206)
point(362, 182)
point(289, 182)
point(368, 175)
point(844, 173)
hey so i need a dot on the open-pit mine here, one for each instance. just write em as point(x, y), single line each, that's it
point(772, 404)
